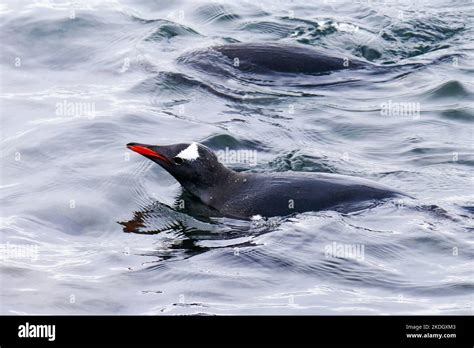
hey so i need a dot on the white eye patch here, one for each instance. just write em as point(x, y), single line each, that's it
point(190, 153)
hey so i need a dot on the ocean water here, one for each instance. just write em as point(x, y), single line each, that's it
point(88, 227)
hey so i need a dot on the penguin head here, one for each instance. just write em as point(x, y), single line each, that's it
point(194, 165)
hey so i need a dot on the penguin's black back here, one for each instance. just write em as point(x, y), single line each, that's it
point(280, 194)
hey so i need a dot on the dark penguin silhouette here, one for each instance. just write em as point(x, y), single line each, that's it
point(245, 195)
point(251, 61)
point(265, 58)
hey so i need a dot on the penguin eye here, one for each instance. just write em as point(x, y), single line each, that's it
point(178, 160)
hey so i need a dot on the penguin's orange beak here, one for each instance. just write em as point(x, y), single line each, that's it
point(146, 151)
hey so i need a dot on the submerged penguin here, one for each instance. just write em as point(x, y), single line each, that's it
point(267, 58)
point(246, 195)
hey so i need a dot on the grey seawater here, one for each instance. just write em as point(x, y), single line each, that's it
point(90, 228)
